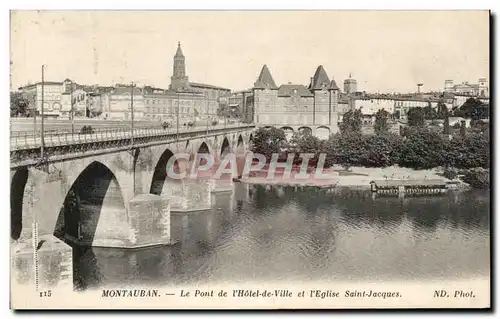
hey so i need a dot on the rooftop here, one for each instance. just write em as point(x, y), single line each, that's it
point(35, 84)
point(320, 79)
point(265, 80)
point(207, 86)
point(288, 90)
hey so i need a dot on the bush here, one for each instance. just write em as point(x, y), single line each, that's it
point(422, 150)
point(450, 173)
point(381, 150)
point(477, 178)
point(470, 151)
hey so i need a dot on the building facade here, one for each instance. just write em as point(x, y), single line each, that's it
point(52, 97)
point(479, 89)
point(296, 106)
point(191, 101)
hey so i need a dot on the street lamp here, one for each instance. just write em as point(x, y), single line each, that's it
point(42, 141)
point(72, 110)
point(132, 113)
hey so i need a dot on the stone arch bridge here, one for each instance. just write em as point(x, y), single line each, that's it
point(108, 189)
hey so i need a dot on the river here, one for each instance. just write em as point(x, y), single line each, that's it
point(307, 234)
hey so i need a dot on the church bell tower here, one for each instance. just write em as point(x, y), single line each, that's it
point(179, 80)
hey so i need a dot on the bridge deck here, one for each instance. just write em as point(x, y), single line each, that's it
point(28, 140)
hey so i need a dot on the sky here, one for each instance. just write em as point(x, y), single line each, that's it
point(385, 51)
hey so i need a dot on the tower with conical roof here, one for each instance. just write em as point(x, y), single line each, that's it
point(179, 80)
point(325, 98)
point(265, 92)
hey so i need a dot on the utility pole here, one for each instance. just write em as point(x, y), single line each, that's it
point(177, 111)
point(132, 114)
point(226, 115)
point(72, 111)
point(206, 104)
point(41, 137)
point(244, 104)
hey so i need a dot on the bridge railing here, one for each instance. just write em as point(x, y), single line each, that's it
point(28, 140)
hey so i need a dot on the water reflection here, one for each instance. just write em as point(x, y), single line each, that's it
point(287, 233)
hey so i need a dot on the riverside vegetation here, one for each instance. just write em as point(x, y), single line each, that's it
point(464, 155)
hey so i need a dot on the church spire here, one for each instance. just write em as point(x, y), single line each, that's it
point(179, 53)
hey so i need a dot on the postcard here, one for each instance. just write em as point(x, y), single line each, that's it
point(250, 159)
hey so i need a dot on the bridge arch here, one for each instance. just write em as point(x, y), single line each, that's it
point(160, 173)
point(17, 186)
point(305, 130)
point(250, 142)
point(240, 145)
point(202, 146)
point(95, 190)
point(225, 147)
point(323, 132)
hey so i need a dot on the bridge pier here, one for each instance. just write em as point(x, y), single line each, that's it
point(188, 195)
point(54, 262)
point(149, 221)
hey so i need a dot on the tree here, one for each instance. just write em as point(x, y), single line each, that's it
point(381, 122)
point(305, 142)
point(18, 104)
point(351, 122)
point(470, 151)
point(346, 149)
point(268, 141)
point(430, 113)
point(444, 114)
point(473, 109)
point(381, 150)
point(416, 117)
point(421, 150)
point(396, 115)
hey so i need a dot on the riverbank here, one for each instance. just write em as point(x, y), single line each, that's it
point(356, 177)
